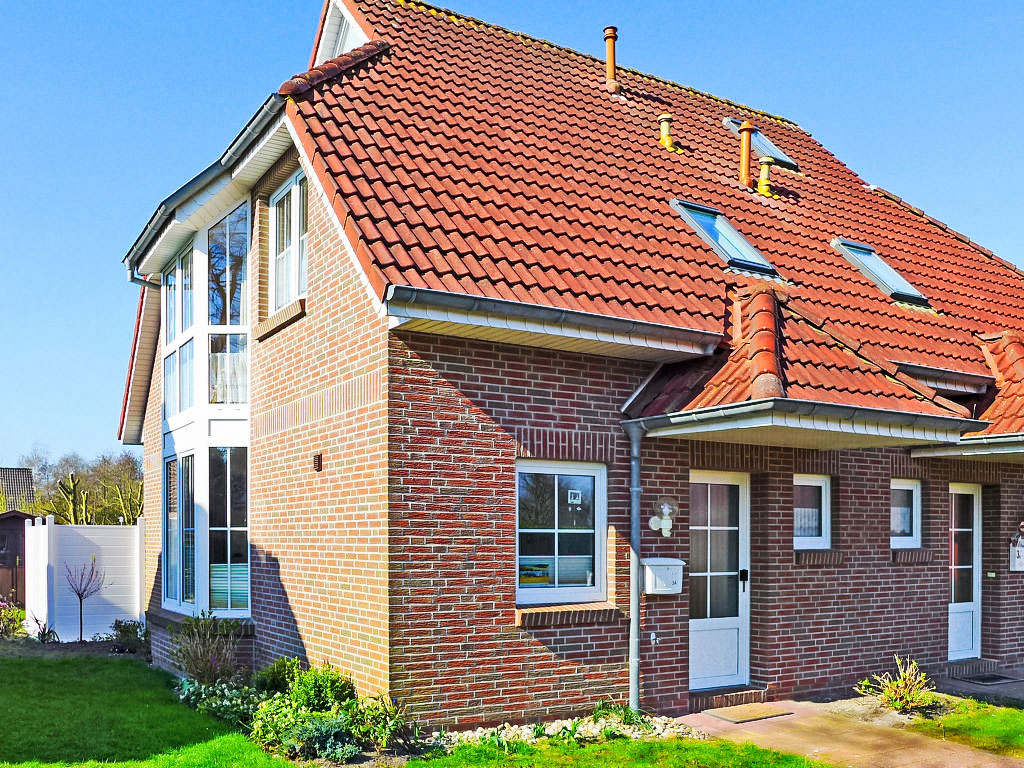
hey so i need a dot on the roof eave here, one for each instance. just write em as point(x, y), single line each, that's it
point(785, 421)
point(1007, 447)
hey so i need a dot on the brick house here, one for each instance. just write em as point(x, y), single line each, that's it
point(467, 341)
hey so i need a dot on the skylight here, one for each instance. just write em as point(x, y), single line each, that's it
point(762, 145)
point(716, 231)
point(867, 260)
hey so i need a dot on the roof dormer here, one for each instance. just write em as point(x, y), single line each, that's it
point(341, 34)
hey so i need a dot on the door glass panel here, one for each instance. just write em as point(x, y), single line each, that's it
point(725, 597)
point(698, 597)
point(698, 551)
point(725, 550)
point(963, 548)
point(963, 511)
point(963, 585)
point(698, 504)
point(725, 505)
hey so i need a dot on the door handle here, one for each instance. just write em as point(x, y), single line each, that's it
point(744, 578)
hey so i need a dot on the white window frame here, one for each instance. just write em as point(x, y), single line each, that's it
point(299, 241)
point(564, 595)
point(825, 540)
point(913, 541)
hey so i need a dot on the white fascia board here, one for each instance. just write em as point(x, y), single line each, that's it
point(889, 430)
point(350, 252)
point(405, 313)
point(998, 447)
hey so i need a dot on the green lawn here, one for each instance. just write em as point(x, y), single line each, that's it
point(671, 753)
point(83, 711)
point(977, 724)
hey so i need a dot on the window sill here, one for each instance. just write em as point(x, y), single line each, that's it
point(167, 619)
point(911, 556)
point(560, 615)
point(817, 557)
point(284, 317)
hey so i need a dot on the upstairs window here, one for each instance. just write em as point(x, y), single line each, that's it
point(289, 233)
point(178, 321)
point(867, 260)
point(762, 145)
point(714, 229)
point(812, 517)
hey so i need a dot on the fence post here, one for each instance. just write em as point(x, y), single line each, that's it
point(140, 572)
point(51, 567)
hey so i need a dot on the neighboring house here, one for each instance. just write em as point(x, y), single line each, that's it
point(400, 348)
point(16, 487)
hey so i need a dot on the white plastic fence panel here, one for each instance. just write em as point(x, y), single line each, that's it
point(50, 550)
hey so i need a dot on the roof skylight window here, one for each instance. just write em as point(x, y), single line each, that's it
point(714, 229)
point(762, 145)
point(867, 260)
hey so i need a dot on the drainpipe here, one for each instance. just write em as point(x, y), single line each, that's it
point(138, 279)
point(636, 433)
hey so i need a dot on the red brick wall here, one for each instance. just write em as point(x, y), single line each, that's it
point(319, 578)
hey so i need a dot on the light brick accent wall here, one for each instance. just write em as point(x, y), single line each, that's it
point(152, 472)
point(318, 386)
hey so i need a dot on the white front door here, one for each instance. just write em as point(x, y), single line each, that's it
point(719, 579)
point(964, 571)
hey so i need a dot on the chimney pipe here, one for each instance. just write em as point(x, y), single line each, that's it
point(665, 121)
point(764, 186)
point(746, 129)
point(610, 36)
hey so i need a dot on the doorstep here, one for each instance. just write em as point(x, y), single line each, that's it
point(716, 698)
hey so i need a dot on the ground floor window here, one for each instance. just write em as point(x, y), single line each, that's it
point(561, 523)
point(179, 531)
point(812, 523)
point(905, 514)
point(229, 529)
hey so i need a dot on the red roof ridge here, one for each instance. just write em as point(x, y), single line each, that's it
point(766, 368)
point(437, 10)
point(304, 82)
point(945, 227)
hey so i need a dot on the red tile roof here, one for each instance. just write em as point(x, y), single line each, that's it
point(781, 350)
point(1005, 355)
point(466, 158)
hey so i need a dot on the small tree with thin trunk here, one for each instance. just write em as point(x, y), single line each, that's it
point(85, 581)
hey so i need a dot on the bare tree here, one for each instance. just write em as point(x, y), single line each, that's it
point(85, 581)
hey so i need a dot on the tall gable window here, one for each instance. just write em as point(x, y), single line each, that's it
point(178, 383)
point(289, 233)
point(762, 145)
point(714, 229)
point(874, 267)
point(228, 249)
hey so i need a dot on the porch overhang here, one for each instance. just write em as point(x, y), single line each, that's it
point(807, 424)
point(535, 325)
point(1008, 449)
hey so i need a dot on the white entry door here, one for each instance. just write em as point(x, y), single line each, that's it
point(719, 579)
point(964, 571)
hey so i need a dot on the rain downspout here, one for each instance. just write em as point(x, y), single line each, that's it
point(636, 433)
point(138, 279)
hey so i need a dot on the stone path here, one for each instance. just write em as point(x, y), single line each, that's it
point(815, 732)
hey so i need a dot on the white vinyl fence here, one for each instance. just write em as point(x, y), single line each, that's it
point(50, 549)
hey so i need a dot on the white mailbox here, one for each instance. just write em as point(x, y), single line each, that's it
point(663, 575)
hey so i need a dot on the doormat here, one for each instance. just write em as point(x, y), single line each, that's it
point(746, 713)
point(989, 678)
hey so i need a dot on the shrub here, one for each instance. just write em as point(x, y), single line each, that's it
point(322, 736)
point(127, 636)
point(274, 719)
point(909, 690)
point(320, 689)
point(224, 701)
point(204, 647)
point(12, 619)
point(377, 722)
point(276, 677)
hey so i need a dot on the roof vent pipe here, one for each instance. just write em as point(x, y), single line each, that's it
point(610, 36)
point(764, 184)
point(746, 129)
point(665, 121)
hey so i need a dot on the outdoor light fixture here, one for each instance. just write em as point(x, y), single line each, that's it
point(664, 509)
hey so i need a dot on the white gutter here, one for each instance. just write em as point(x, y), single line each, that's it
point(976, 446)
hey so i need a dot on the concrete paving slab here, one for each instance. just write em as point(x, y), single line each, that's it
point(814, 732)
point(746, 713)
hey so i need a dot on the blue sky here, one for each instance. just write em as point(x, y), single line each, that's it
point(104, 114)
